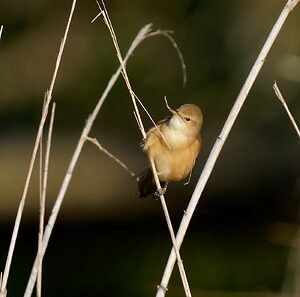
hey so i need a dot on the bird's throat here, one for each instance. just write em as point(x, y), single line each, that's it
point(175, 136)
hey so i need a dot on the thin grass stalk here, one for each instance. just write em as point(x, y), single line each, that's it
point(1, 30)
point(141, 126)
point(40, 234)
point(182, 273)
point(66, 181)
point(221, 140)
point(33, 158)
point(110, 155)
point(285, 106)
point(43, 198)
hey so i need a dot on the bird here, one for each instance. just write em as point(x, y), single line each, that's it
point(174, 145)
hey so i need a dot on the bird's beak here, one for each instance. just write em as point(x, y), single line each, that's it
point(174, 112)
point(171, 110)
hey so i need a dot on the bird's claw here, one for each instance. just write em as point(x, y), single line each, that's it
point(159, 192)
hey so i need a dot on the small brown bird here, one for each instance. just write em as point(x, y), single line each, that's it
point(174, 145)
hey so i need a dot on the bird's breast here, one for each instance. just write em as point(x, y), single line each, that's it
point(176, 138)
point(175, 160)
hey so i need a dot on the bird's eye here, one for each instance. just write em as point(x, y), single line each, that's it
point(187, 119)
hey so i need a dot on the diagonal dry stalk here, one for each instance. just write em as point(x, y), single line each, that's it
point(141, 36)
point(1, 30)
point(151, 119)
point(66, 181)
point(44, 182)
point(167, 34)
point(105, 151)
point(40, 234)
point(2, 292)
point(221, 140)
point(283, 102)
point(33, 158)
point(141, 126)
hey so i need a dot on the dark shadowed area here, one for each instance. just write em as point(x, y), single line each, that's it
point(242, 240)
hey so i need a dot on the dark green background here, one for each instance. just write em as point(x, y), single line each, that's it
point(107, 242)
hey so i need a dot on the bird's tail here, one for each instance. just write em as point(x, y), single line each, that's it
point(146, 183)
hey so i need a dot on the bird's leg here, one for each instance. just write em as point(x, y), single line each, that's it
point(161, 191)
point(190, 175)
point(189, 179)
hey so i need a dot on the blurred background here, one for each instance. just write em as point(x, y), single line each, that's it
point(242, 240)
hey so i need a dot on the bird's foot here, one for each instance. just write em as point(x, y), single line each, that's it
point(161, 191)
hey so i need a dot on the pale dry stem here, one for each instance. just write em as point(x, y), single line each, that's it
point(173, 238)
point(40, 234)
point(105, 151)
point(220, 142)
point(33, 158)
point(1, 30)
point(142, 35)
point(137, 121)
point(167, 104)
point(3, 293)
point(292, 4)
point(44, 179)
point(167, 34)
point(151, 119)
point(283, 102)
point(123, 69)
point(107, 21)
